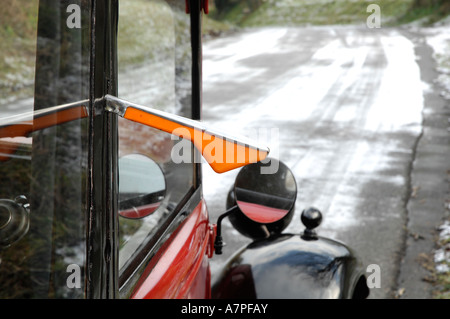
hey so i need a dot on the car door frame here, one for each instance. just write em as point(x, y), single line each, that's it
point(102, 240)
point(102, 180)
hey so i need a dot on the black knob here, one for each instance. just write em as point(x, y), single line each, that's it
point(311, 218)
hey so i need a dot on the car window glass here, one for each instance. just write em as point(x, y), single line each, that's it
point(44, 63)
point(154, 58)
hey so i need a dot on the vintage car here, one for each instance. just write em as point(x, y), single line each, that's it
point(100, 164)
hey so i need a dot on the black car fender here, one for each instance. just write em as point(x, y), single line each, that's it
point(287, 266)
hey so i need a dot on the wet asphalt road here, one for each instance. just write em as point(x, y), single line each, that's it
point(342, 107)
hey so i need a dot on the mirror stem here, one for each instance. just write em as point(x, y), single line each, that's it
point(218, 242)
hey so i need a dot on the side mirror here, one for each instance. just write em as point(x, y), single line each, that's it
point(260, 204)
point(265, 198)
point(142, 186)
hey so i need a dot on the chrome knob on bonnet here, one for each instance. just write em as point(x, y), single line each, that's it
point(311, 218)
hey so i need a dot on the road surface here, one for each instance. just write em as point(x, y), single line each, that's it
point(342, 107)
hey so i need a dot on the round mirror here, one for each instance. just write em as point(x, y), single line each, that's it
point(265, 197)
point(14, 222)
point(142, 186)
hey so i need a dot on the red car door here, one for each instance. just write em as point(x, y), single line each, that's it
point(165, 254)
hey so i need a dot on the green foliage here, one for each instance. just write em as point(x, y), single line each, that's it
point(429, 11)
point(18, 24)
point(142, 37)
point(19, 16)
point(327, 12)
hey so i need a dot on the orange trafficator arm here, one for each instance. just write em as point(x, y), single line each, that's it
point(24, 124)
point(222, 151)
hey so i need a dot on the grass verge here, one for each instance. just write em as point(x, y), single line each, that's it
point(317, 12)
point(18, 25)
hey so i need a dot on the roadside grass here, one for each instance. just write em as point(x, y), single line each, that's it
point(213, 28)
point(140, 37)
point(441, 259)
point(426, 15)
point(444, 291)
point(18, 25)
point(314, 12)
point(442, 253)
point(151, 29)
